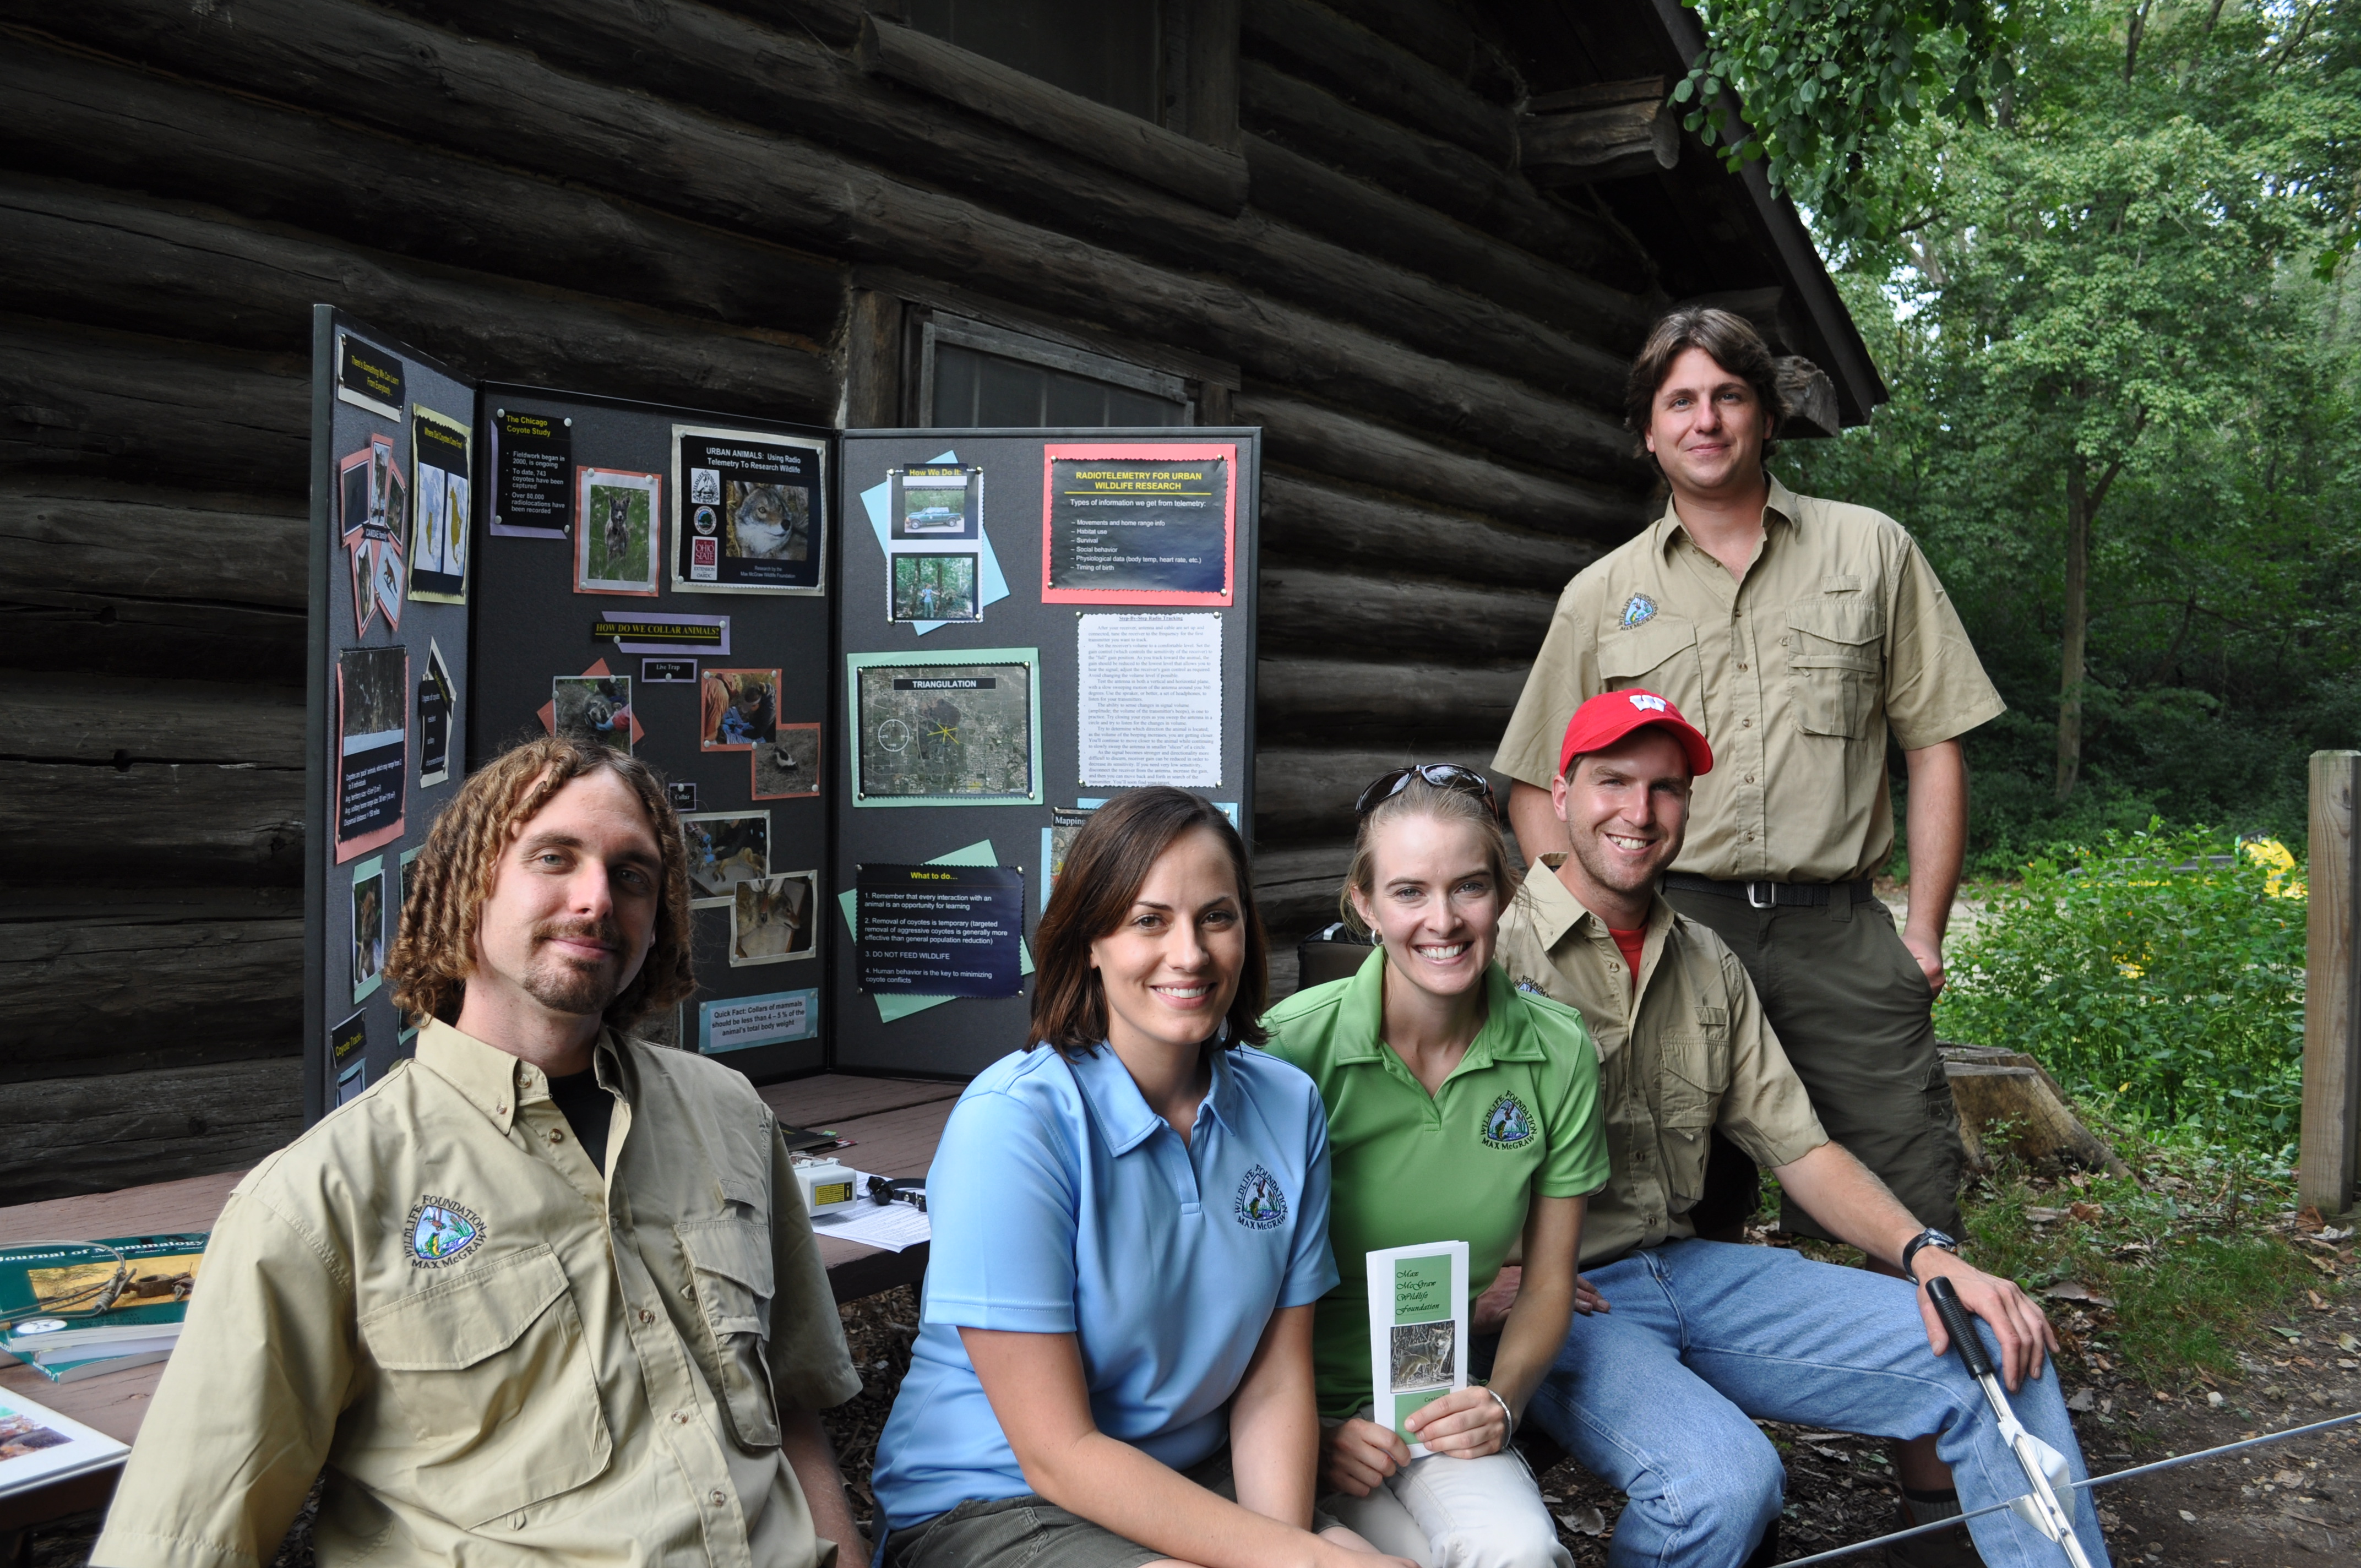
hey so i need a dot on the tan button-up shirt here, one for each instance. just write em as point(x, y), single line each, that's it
point(496, 1354)
point(1838, 634)
point(1686, 1051)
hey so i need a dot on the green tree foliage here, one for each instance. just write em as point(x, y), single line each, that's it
point(2124, 397)
point(2169, 996)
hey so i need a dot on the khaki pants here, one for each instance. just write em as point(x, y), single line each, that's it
point(1852, 1008)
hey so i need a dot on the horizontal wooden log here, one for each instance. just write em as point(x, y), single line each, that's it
point(1355, 212)
point(95, 1134)
point(1376, 73)
point(1808, 400)
point(176, 268)
point(45, 628)
point(1609, 143)
point(1438, 33)
point(200, 824)
point(94, 120)
point(1323, 440)
point(1449, 179)
point(89, 993)
point(119, 405)
point(834, 21)
point(1303, 519)
point(1295, 886)
point(1310, 701)
point(1308, 793)
point(69, 717)
point(153, 542)
point(1600, 95)
point(1122, 142)
point(783, 83)
point(1313, 608)
point(481, 98)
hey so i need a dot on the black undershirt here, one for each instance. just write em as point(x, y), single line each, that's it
point(587, 1109)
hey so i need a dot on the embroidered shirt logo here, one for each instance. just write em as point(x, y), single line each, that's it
point(1508, 1124)
point(1647, 702)
point(1261, 1205)
point(441, 1231)
point(1637, 610)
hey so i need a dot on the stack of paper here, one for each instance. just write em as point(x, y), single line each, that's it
point(39, 1446)
point(892, 1227)
point(47, 1291)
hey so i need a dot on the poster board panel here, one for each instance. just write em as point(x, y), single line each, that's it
point(1163, 662)
point(391, 460)
point(591, 623)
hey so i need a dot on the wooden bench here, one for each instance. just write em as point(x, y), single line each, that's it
point(894, 1124)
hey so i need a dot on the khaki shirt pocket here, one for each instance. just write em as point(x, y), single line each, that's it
point(1835, 662)
point(734, 1287)
point(490, 1368)
point(1659, 655)
point(1697, 1069)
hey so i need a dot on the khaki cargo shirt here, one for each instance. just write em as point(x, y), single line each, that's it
point(496, 1355)
point(1839, 634)
point(1686, 1052)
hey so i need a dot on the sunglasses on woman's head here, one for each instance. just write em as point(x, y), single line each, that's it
point(1441, 775)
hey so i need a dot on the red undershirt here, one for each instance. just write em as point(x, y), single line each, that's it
point(1631, 942)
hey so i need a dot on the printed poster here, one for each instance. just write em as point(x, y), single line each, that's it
point(615, 532)
point(532, 474)
point(1138, 522)
point(372, 736)
point(438, 529)
point(751, 511)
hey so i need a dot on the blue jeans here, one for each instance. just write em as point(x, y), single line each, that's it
point(1658, 1396)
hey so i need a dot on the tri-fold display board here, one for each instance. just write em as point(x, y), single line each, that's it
point(885, 675)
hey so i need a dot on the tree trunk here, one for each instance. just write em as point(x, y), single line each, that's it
point(2078, 624)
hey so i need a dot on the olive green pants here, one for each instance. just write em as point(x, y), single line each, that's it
point(1852, 1008)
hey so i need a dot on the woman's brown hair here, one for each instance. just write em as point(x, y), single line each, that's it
point(1105, 867)
point(435, 950)
point(1732, 343)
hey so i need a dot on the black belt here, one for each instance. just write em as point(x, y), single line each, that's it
point(1768, 895)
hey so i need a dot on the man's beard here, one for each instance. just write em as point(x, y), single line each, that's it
point(1603, 871)
point(563, 985)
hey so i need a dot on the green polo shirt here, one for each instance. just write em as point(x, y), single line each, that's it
point(1518, 1116)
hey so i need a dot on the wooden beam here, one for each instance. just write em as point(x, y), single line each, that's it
point(190, 824)
point(99, 121)
point(1210, 104)
point(2330, 1157)
point(1304, 519)
point(1123, 142)
point(1609, 143)
point(71, 718)
point(48, 629)
point(873, 362)
point(835, 21)
point(1295, 885)
point(1309, 792)
point(1313, 608)
point(1808, 400)
point(102, 992)
point(120, 405)
point(486, 98)
point(1449, 179)
point(1309, 436)
point(1354, 211)
point(182, 271)
point(1378, 75)
point(1438, 33)
point(88, 1134)
point(1306, 701)
point(148, 542)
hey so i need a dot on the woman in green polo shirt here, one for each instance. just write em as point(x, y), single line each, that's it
point(1459, 1109)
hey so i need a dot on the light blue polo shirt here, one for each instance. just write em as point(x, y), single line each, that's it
point(1062, 1204)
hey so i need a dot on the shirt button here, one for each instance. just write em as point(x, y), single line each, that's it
point(516, 1521)
point(1743, 724)
point(1741, 667)
point(555, 1137)
point(1750, 778)
point(501, 1108)
point(689, 1291)
point(646, 1316)
point(680, 1417)
point(716, 1498)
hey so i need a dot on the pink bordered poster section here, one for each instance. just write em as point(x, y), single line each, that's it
point(1139, 522)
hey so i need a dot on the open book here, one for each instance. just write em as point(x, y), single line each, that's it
point(1417, 1329)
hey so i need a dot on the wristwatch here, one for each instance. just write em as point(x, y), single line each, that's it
point(1930, 1236)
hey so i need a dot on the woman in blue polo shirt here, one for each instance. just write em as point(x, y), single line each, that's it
point(1130, 1228)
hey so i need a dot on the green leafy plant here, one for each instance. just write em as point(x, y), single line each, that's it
point(2168, 996)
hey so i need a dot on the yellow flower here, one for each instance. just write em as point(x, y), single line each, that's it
point(2282, 882)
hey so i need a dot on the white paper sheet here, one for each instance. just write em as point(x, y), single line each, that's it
point(894, 1227)
point(1150, 709)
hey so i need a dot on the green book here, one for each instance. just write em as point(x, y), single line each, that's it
point(46, 1290)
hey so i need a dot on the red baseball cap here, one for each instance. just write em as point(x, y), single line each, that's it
point(1610, 715)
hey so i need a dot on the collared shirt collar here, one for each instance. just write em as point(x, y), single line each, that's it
point(1361, 1021)
point(494, 1081)
point(1778, 506)
point(1106, 1084)
point(1557, 911)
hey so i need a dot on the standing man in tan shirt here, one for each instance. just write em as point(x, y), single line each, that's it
point(545, 1293)
point(1800, 633)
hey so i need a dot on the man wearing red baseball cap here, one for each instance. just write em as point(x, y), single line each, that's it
point(1685, 1341)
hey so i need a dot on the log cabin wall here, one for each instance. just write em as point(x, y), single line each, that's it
point(754, 205)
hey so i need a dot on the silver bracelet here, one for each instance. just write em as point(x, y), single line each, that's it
point(1507, 1414)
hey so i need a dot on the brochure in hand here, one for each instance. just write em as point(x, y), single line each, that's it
point(47, 1289)
point(37, 1445)
point(1417, 1329)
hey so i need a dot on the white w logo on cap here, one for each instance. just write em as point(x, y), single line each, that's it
point(1643, 700)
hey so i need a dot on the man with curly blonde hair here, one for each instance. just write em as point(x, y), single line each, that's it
point(545, 1291)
